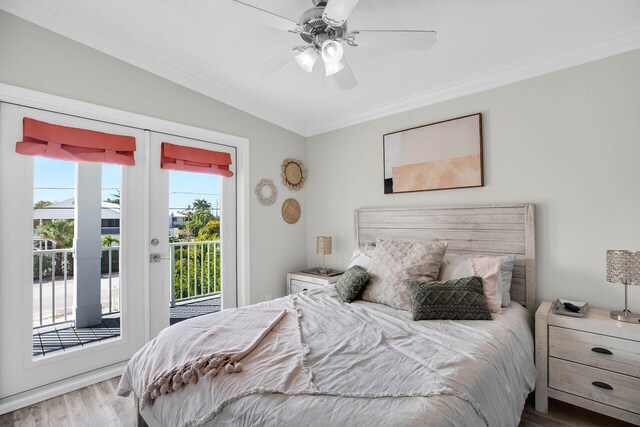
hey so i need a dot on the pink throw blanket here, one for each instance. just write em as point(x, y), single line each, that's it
point(206, 349)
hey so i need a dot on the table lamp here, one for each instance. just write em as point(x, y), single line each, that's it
point(624, 267)
point(323, 246)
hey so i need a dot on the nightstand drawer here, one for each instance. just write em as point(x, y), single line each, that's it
point(601, 351)
point(610, 388)
point(300, 286)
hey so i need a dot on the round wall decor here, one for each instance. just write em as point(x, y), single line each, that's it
point(291, 211)
point(293, 174)
point(266, 192)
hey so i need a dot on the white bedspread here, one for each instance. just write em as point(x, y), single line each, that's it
point(371, 365)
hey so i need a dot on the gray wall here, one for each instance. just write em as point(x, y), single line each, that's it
point(38, 59)
point(568, 142)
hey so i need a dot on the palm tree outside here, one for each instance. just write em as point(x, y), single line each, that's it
point(109, 241)
point(201, 205)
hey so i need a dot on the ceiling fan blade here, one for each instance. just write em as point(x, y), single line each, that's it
point(253, 13)
point(393, 39)
point(274, 64)
point(345, 78)
point(337, 11)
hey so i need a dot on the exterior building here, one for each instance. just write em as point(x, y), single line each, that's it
point(109, 224)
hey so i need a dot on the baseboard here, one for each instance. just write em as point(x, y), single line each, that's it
point(58, 388)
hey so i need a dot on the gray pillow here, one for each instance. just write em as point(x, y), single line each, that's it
point(351, 283)
point(459, 299)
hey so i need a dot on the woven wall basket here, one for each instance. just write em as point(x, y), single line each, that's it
point(293, 174)
point(291, 211)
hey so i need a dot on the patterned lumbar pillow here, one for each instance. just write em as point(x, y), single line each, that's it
point(459, 299)
point(395, 262)
point(351, 283)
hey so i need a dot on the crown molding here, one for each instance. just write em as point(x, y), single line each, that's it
point(86, 36)
point(614, 45)
point(617, 44)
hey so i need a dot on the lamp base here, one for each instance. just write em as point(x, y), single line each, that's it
point(325, 271)
point(625, 316)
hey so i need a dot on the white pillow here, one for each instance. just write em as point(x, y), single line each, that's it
point(506, 274)
point(455, 267)
point(459, 266)
point(361, 257)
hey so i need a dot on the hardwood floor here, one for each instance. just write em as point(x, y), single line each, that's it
point(98, 406)
point(562, 414)
point(93, 406)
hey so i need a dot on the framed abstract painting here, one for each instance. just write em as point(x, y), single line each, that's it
point(436, 156)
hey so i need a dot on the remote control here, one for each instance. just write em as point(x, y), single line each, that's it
point(571, 307)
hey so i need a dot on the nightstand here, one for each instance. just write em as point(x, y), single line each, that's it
point(591, 361)
point(299, 281)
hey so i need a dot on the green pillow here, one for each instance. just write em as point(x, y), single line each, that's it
point(351, 283)
point(458, 299)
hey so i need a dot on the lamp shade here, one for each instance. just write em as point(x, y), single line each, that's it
point(331, 51)
point(331, 69)
point(307, 59)
point(323, 245)
point(623, 267)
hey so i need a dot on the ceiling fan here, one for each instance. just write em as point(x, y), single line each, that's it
point(324, 31)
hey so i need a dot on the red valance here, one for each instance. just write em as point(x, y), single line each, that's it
point(77, 145)
point(188, 159)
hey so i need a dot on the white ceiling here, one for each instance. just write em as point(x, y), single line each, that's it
point(481, 44)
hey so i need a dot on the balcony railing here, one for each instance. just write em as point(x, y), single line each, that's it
point(54, 285)
point(196, 274)
point(196, 270)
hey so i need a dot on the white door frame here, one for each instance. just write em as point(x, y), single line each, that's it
point(34, 99)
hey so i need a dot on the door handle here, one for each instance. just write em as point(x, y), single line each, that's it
point(155, 257)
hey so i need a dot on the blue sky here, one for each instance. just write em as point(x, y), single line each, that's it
point(185, 187)
point(54, 181)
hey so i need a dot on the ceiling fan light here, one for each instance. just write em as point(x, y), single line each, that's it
point(332, 52)
point(307, 59)
point(331, 69)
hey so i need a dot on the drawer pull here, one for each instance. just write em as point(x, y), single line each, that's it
point(601, 350)
point(602, 385)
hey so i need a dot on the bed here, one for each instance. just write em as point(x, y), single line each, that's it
point(323, 362)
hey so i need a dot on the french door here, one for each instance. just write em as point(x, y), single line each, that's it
point(47, 283)
point(25, 280)
point(186, 267)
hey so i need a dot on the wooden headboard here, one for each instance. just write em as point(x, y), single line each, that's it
point(485, 230)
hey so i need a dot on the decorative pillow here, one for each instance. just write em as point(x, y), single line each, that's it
point(456, 267)
point(506, 274)
point(361, 257)
point(488, 268)
point(395, 262)
point(351, 283)
point(460, 299)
